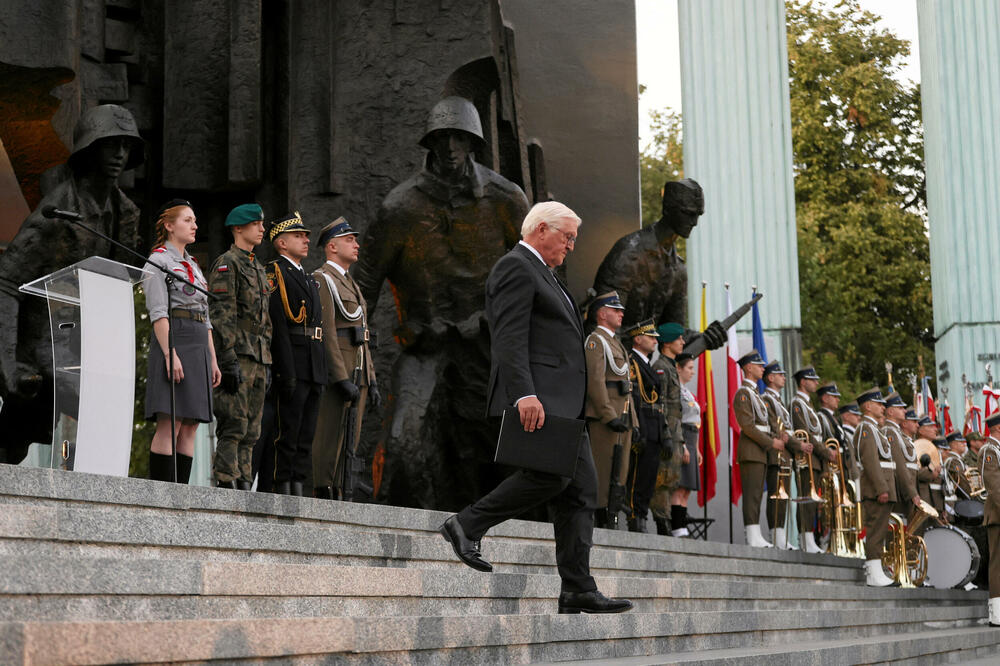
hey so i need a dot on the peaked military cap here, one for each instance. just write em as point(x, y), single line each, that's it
point(670, 331)
point(608, 300)
point(941, 442)
point(894, 400)
point(336, 229)
point(871, 395)
point(752, 357)
point(807, 372)
point(773, 368)
point(646, 327)
point(245, 214)
point(926, 421)
point(955, 436)
point(286, 224)
point(993, 420)
point(973, 436)
point(830, 388)
point(911, 415)
point(850, 408)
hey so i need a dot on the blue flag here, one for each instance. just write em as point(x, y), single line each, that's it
point(758, 341)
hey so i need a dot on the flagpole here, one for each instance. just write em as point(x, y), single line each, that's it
point(729, 454)
point(704, 452)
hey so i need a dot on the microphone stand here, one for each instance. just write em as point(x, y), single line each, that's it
point(169, 277)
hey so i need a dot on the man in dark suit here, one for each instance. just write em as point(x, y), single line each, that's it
point(538, 365)
point(298, 361)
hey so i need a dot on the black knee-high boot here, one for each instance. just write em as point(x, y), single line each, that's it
point(161, 467)
point(678, 517)
point(183, 468)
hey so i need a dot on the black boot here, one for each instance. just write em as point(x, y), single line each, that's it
point(297, 489)
point(661, 526)
point(244, 485)
point(283, 487)
point(161, 467)
point(636, 524)
point(183, 468)
point(228, 485)
point(324, 492)
point(600, 518)
point(678, 519)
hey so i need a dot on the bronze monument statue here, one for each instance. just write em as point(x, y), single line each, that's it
point(648, 274)
point(435, 239)
point(106, 142)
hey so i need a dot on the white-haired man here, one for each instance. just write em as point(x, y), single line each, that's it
point(538, 365)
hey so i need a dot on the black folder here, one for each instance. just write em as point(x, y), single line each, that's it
point(553, 448)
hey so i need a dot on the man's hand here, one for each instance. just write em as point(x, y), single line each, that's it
point(883, 498)
point(617, 424)
point(778, 444)
point(347, 390)
point(532, 413)
point(784, 435)
point(231, 376)
point(916, 500)
point(807, 447)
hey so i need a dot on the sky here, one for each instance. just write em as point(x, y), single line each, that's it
point(659, 50)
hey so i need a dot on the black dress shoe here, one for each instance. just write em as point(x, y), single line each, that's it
point(324, 492)
point(296, 488)
point(230, 485)
point(636, 524)
point(600, 518)
point(466, 549)
point(591, 602)
point(244, 485)
point(283, 487)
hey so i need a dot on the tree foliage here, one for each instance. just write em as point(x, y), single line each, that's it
point(864, 257)
point(660, 160)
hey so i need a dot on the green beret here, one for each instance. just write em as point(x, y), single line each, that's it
point(669, 331)
point(245, 214)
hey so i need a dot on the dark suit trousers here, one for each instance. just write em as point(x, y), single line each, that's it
point(642, 478)
point(295, 424)
point(571, 506)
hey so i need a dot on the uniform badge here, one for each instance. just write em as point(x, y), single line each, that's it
point(591, 345)
point(223, 268)
point(271, 286)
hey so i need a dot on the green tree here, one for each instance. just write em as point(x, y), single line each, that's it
point(660, 160)
point(864, 258)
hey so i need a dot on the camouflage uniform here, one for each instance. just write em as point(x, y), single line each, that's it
point(241, 329)
point(669, 474)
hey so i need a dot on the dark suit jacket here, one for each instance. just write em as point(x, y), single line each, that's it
point(536, 338)
point(296, 355)
point(650, 421)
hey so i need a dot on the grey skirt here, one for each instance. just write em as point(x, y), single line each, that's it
point(689, 472)
point(193, 395)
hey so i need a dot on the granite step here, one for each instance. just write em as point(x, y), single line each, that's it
point(466, 639)
point(969, 646)
point(52, 588)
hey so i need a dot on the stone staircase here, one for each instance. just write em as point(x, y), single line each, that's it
point(98, 569)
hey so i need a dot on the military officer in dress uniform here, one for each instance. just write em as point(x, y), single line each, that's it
point(957, 448)
point(878, 483)
point(350, 370)
point(241, 332)
point(608, 410)
point(756, 441)
point(299, 358)
point(904, 455)
point(850, 417)
point(929, 485)
point(989, 456)
point(829, 400)
point(804, 417)
point(645, 462)
point(781, 422)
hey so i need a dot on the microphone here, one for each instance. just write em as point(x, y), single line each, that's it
point(52, 212)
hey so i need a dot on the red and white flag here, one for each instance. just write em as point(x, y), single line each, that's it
point(734, 376)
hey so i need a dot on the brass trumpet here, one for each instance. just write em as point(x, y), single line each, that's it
point(839, 512)
point(803, 459)
point(784, 470)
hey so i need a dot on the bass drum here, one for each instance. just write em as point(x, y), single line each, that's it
point(968, 513)
point(952, 557)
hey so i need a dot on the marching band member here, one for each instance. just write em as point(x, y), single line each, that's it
point(756, 440)
point(989, 456)
point(804, 417)
point(850, 417)
point(781, 421)
point(903, 454)
point(878, 483)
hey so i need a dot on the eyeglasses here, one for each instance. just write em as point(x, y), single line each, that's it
point(569, 239)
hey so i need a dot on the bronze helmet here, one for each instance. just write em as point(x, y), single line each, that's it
point(455, 113)
point(104, 121)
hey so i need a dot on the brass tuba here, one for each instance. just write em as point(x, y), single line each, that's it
point(803, 459)
point(905, 554)
point(839, 512)
point(956, 470)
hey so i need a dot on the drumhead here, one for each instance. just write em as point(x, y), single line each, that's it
point(952, 557)
point(969, 512)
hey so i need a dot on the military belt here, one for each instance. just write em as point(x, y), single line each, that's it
point(622, 385)
point(313, 332)
point(178, 313)
point(887, 464)
point(252, 327)
point(352, 333)
point(935, 486)
point(912, 465)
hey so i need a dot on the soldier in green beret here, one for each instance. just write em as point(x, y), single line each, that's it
point(242, 333)
point(673, 452)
